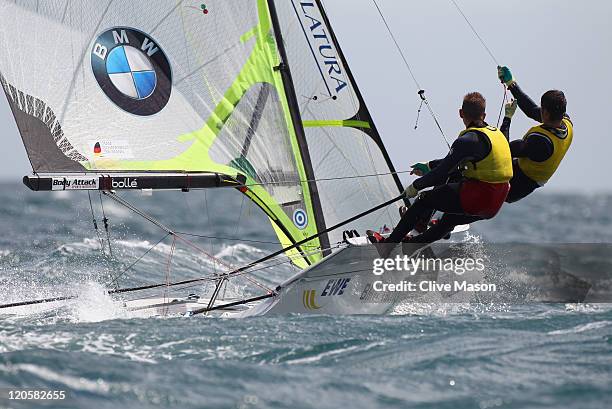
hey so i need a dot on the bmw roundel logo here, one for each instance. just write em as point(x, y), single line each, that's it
point(132, 70)
point(300, 219)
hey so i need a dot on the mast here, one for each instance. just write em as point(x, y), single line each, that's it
point(363, 109)
point(299, 129)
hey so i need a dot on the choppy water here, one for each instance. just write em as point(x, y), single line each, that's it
point(529, 356)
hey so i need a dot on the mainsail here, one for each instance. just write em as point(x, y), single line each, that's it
point(133, 94)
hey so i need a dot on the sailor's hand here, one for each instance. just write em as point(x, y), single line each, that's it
point(505, 76)
point(420, 169)
point(411, 192)
point(511, 108)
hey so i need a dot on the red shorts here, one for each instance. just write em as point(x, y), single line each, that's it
point(481, 198)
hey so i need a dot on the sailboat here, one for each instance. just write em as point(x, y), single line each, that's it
point(251, 95)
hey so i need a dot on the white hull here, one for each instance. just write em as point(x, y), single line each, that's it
point(340, 284)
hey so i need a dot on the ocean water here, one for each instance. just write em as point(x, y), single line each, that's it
point(458, 356)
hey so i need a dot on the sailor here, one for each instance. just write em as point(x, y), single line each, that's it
point(481, 155)
point(540, 152)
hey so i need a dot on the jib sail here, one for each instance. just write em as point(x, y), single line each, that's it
point(343, 142)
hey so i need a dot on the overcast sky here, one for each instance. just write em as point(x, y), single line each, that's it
point(548, 44)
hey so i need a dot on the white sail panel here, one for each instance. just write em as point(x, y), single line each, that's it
point(333, 152)
point(246, 142)
point(322, 84)
point(342, 140)
point(50, 63)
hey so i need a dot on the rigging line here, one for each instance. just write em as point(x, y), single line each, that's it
point(433, 115)
point(43, 301)
point(105, 220)
point(503, 104)
point(271, 255)
point(280, 263)
point(237, 230)
point(314, 236)
point(231, 273)
point(121, 274)
point(168, 270)
point(201, 236)
point(212, 244)
point(416, 82)
point(501, 110)
point(95, 224)
point(232, 304)
point(244, 273)
point(331, 179)
point(141, 213)
point(420, 90)
point(475, 32)
point(289, 260)
point(149, 287)
point(152, 220)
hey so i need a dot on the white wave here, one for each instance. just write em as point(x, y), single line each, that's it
point(446, 309)
point(144, 245)
point(238, 250)
point(180, 253)
point(472, 238)
point(94, 244)
point(20, 341)
point(581, 328)
point(94, 304)
point(334, 352)
point(587, 308)
point(78, 247)
point(62, 195)
point(20, 290)
point(74, 383)
point(116, 210)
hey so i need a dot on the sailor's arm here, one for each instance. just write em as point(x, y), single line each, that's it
point(527, 105)
point(505, 127)
point(536, 147)
point(510, 109)
point(463, 149)
point(423, 168)
point(434, 163)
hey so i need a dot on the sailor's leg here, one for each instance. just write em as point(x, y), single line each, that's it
point(444, 198)
point(422, 221)
point(444, 227)
point(521, 185)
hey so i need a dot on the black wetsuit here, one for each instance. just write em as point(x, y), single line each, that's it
point(536, 147)
point(445, 197)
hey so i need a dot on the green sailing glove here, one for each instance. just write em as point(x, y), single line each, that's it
point(420, 169)
point(511, 108)
point(505, 76)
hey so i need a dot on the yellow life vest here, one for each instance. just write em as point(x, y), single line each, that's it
point(541, 172)
point(496, 167)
